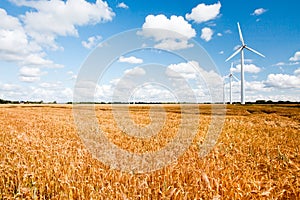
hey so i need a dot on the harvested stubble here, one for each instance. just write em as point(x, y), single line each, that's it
point(256, 157)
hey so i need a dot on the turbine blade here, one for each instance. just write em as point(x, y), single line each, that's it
point(254, 51)
point(240, 33)
point(237, 51)
point(235, 77)
point(231, 67)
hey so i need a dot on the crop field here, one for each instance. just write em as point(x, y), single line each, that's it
point(257, 155)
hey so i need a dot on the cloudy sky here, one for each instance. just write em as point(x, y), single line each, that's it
point(44, 44)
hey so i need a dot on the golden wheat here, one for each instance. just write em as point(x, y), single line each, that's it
point(256, 157)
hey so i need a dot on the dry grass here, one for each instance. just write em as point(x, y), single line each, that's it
point(256, 157)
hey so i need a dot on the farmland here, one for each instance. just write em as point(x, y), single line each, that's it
point(257, 155)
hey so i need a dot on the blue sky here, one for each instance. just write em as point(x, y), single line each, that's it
point(43, 45)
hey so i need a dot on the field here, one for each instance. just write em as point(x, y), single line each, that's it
point(257, 155)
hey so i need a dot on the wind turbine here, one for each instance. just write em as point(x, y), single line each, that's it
point(241, 50)
point(230, 76)
point(230, 79)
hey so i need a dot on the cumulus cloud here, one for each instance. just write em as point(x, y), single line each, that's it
point(186, 70)
point(207, 84)
point(259, 11)
point(283, 81)
point(137, 71)
point(30, 74)
point(176, 35)
point(38, 60)
point(296, 57)
point(256, 86)
point(250, 68)
point(171, 44)
point(193, 71)
point(49, 19)
point(131, 60)
point(206, 34)
point(122, 5)
point(74, 13)
point(202, 12)
point(91, 42)
point(15, 44)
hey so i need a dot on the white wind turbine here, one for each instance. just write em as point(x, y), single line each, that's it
point(241, 50)
point(230, 76)
point(230, 83)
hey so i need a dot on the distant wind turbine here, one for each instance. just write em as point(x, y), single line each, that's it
point(230, 79)
point(241, 50)
point(230, 76)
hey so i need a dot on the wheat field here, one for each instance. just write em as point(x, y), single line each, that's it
point(256, 155)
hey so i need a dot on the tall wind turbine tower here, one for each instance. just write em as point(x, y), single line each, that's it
point(241, 50)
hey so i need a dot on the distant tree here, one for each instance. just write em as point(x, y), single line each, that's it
point(260, 101)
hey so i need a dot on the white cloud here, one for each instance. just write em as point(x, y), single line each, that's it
point(228, 31)
point(283, 81)
point(219, 34)
point(152, 93)
point(72, 75)
point(279, 64)
point(250, 68)
point(221, 52)
point(191, 71)
point(37, 60)
point(91, 42)
point(58, 93)
point(236, 47)
point(131, 60)
point(48, 92)
point(58, 18)
point(259, 11)
point(171, 44)
point(186, 70)
point(171, 34)
point(29, 79)
point(296, 57)
point(175, 23)
point(30, 74)
point(256, 86)
point(15, 44)
point(137, 71)
point(297, 72)
point(122, 5)
point(203, 13)
point(207, 84)
point(286, 64)
point(206, 34)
